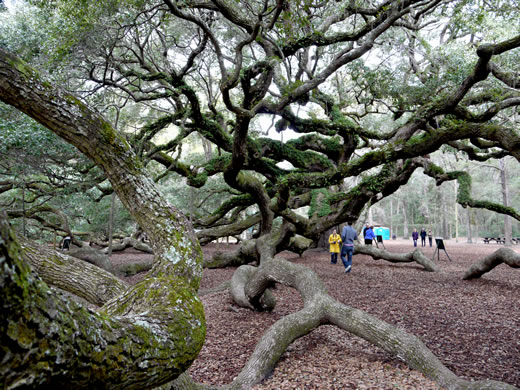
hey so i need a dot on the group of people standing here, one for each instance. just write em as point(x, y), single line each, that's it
point(423, 234)
point(343, 244)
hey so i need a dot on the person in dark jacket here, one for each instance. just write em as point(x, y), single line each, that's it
point(423, 237)
point(65, 243)
point(415, 237)
point(348, 236)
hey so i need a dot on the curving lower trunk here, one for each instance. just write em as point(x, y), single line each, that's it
point(48, 341)
point(81, 278)
point(144, 337)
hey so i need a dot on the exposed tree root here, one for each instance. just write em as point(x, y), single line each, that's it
point(503, 255)
point(410, 257)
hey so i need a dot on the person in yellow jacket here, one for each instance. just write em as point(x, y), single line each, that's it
point(335, 244)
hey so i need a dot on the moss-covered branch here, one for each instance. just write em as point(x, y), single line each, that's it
point(62, 344)
point(464, 190)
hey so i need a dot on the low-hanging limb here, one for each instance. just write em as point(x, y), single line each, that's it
point(415, 256)
point(127, 242)
point(205, 236)
point(243, 254)
point(503, 255)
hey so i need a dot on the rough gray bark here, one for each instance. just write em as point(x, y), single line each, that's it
point(48, 341)
point(81, 278)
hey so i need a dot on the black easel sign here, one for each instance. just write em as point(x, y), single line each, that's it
point(440, 245)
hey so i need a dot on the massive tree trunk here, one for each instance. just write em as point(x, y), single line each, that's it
point(156, 328)
point(47, 341)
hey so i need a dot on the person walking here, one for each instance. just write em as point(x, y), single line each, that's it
point(334, 241)
point(415, 237)
point(369, 235)
point(348, 236)
point(430, 237)
point(423, 237)
point(365, 229)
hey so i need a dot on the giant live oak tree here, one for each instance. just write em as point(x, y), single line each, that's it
point(328, 71)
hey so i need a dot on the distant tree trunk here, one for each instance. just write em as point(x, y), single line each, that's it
point(206, 145)
point(391, 217)
point(445, 227)
point(508, 230)
point(470, 238)
point(456, 205)
point(405, 220)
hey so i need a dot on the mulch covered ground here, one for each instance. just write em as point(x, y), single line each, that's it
point(472, 326)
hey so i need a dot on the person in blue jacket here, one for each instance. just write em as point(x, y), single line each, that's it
point(369, 235)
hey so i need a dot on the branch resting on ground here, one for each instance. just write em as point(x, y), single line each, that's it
point(503, 255)
point(410, 257)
